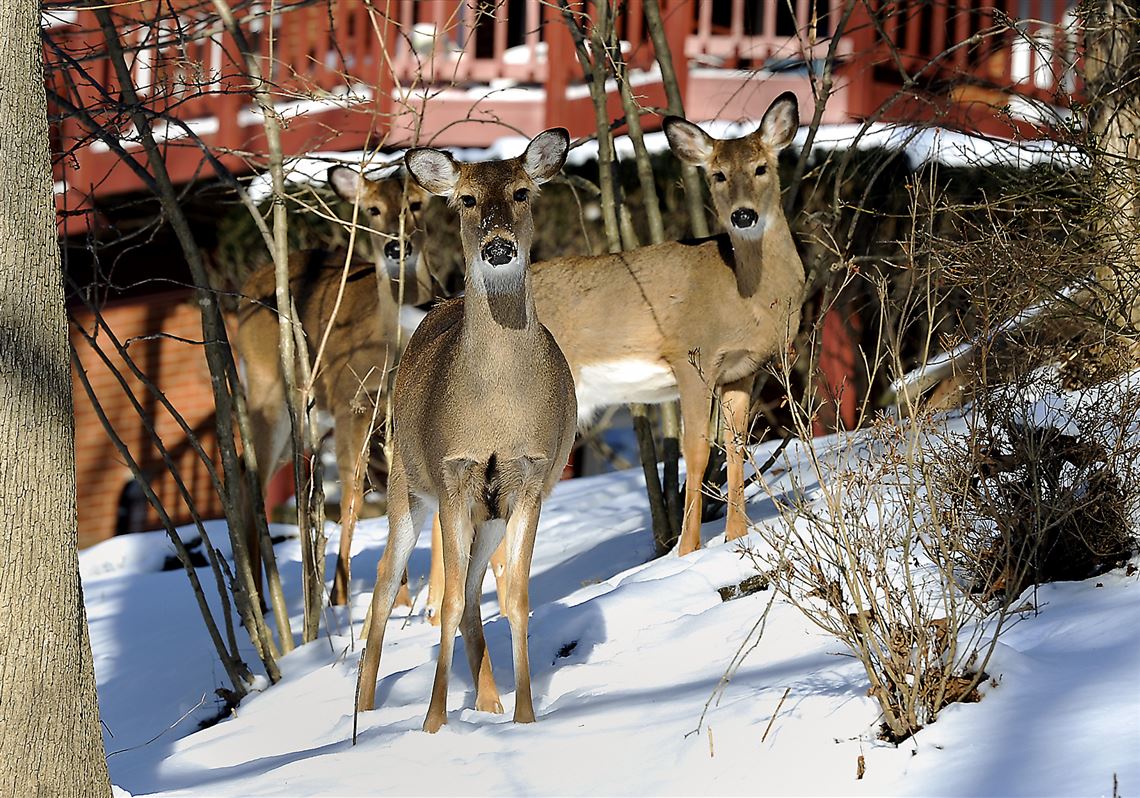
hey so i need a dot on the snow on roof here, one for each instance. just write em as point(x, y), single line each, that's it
point(919, 144)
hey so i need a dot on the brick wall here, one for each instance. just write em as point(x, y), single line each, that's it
point(161, 332)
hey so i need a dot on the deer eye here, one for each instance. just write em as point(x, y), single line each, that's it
point(415, 206)
point(761, 169)
point(522, 194)
point(719, 177)
point(468, 201)
point(373, 211)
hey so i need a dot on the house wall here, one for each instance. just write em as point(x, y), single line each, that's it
point(162, 335)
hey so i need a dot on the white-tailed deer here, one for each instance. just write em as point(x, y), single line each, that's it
point(683, 319)
point(687, 318)
point(371, 324)
point(483, 421)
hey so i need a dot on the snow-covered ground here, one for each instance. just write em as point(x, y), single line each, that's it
point(626, 650)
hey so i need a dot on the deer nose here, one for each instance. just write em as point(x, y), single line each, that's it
point(499, 251)
point(392, 250)
point(744, 217)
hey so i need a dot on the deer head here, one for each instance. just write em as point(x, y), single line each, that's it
point(493, 200)
point(382, 203)
point(742, 173)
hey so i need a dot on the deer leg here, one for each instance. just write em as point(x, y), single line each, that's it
point(350, 434)
point(455, 523)
point(435, 578)
point(696, 408)
point(736, 397)
point(270, 432)
point(499, 569)
point(405, 516)
point(487, 539)
point(515, 599)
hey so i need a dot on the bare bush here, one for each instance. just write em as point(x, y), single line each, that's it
point(868, 553)
point(1050, 486)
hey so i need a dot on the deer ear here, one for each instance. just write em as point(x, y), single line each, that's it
point(780, 122)
point(546, 153)
point(347, 183)
point(435, 170)
point(415, 192)
point(687, 141)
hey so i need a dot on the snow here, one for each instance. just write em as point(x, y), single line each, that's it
point(919, 145)
point(626, 651)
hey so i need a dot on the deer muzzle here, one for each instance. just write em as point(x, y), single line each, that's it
point(743, 218)
point(499, 251)
point(392, 250)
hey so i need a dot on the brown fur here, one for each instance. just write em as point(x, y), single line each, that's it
point(483, 422)
point(710, 312)
point(363, 341)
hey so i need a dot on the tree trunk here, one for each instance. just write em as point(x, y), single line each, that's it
point(50, 738)
point(1112, 68)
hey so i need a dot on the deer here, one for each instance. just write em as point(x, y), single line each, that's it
point(684, 319)
point(369, 328)
point(484, 416)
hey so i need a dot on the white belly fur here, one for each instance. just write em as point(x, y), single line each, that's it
point(410, 318)
point(619, 382)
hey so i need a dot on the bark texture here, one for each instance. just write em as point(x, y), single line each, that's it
point(1112, 75)
point(50, 740)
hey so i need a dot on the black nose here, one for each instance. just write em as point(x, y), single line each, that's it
point(499, 251)
point(744, 217)
point(392, 250)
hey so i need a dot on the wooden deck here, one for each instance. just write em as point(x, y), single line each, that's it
point(452, 73)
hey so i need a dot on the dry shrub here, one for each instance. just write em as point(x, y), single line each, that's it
point(911, 539)
point(869, 551)
point(1050, 488)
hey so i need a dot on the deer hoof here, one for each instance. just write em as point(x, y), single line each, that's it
point(494, 706)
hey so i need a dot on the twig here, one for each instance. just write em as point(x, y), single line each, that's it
point(772, 720)
point(185, 715)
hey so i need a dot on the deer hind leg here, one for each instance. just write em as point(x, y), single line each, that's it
point(736, 397)
point(455, 522)
point(487, 539)
point(499, 569)
point(696, 409)
point(435, 578)
point(350, 434)
point(406, 514)
point(515, 598)
point(269, 429)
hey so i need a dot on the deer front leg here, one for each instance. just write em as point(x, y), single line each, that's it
point(405, 516)
point(455, 523)
point(737, 397)
point(514, 596)
point(696, 408)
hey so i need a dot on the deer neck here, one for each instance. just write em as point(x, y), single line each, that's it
point(417, 283)
point(766, 259)
point(498, 309)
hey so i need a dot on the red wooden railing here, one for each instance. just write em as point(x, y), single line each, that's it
point(963, 60)
point(352, 73)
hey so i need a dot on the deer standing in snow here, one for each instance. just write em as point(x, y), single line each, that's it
point(688, 318)
point(369, 326)
point(483, 421)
